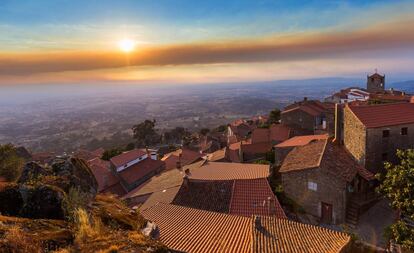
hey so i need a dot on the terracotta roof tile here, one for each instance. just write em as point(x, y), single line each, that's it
point(304, 157)
point(383, 115)
point(192, 230)
point(327, 156)
point(103, 173)
point(218, 155)
point(251, 197)
point(301, 140)
point(165, 180)
point(128, 156)
point(281, 235)
point(141, 169)
point(230, 171)
point(165, 196)
point(187, 157)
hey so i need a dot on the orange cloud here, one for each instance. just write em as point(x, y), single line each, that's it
point(387, 36)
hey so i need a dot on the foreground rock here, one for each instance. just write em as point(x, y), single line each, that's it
point(56, 208)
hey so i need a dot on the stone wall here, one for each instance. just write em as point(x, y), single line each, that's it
point(354, 133)
point(298, 119)
point(378, 145)
point(330, 190)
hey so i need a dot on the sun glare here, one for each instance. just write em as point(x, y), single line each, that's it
point(126, 45)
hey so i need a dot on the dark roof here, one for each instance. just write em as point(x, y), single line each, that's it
point(128, 156)
point(210, 196)
point(373, 116)
point(140, 170)
point(165, 196)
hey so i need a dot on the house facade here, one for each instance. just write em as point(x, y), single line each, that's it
point(309, 117)
point(372, 134)
point(323, 178)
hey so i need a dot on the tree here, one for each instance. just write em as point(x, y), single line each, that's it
point(145, 133)
point(204, 131)
point(109, 153)
point(397, 184)
point(274, 116)
point(11, 164)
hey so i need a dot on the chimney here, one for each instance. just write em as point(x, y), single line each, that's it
point(270, 205)
point(257, 223)
point(179, 166)
point(185, 182)
point(187, 172)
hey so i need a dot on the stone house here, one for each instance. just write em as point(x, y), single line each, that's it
point(323, 178)
point(309, 117)
point(373, 133)
point(283, 148)
point(375, 83)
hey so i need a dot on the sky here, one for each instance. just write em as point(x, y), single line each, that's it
point(177, 41)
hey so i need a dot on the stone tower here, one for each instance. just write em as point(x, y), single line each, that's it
point(375, 83)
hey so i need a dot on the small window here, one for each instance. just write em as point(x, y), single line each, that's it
point(384, 157)
point(385, 133)
point(404, 131)
point(312, 186)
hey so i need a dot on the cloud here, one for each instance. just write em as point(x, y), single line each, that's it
point(379, 38)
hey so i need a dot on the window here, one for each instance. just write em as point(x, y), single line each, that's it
point(384, 157)
point(312, 186)
point(404, 131)
point(385, 133)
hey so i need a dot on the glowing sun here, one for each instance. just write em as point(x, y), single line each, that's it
point(126, 45)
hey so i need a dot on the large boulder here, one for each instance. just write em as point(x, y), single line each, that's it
point(33, 172)
point(76, 173)
point(43, 202)
point(11, 201)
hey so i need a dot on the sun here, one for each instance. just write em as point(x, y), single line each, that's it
point(126, 45)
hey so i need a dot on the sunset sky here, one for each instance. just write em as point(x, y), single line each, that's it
point(66, 41)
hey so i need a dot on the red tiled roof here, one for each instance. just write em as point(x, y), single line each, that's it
point(140, 169)
point(276, 132)
point(103, 174)
point(251, 197)
point(165, 180)
point(192, 230)
point(304, 157)
point(312, 107)
point(98, 152)
point(383, 115)
point(128, 156)
point(187, 157)
point(230, 171)
point(301, 140)
point(282, 235)
point(165, 196)
point(327, 156)
point(256, 148)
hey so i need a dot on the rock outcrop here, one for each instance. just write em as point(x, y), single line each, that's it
point(41, 213)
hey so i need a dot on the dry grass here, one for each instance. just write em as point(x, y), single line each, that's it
point(87, 227)
point(15, 240)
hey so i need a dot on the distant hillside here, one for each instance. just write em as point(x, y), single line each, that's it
point(407, 86)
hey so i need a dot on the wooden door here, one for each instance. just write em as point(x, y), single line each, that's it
point(326, 213)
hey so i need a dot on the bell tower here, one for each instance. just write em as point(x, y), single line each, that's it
point(375, 82)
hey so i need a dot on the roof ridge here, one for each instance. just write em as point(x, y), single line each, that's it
point(323, 153)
